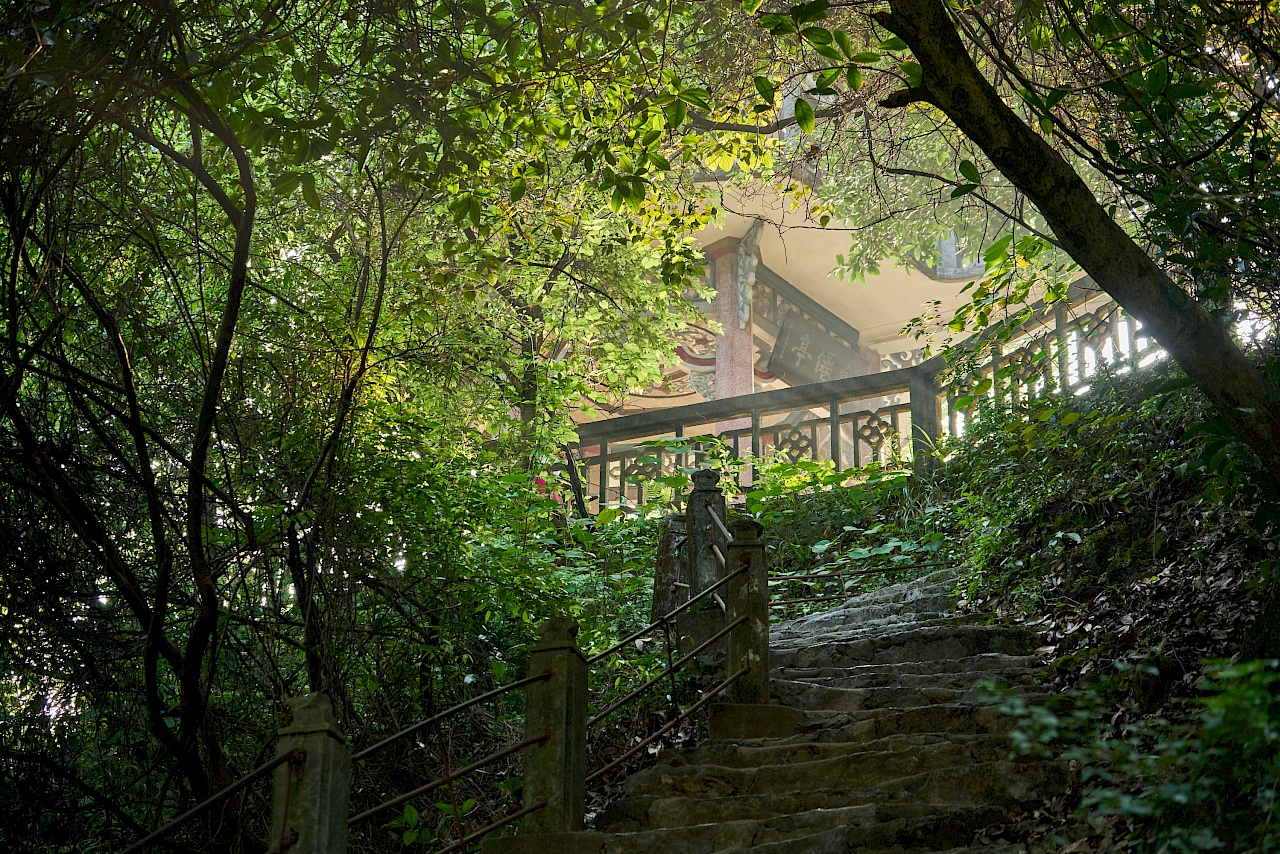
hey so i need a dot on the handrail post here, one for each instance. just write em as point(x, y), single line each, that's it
point(749, 595)
point(704, 570)
point(667, 592)
point(705, 499)
point(926, 419)
point(311, 797)
point(555, 771)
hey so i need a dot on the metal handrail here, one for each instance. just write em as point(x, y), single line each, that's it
point(156, 835)
point(617, 704)
point(708, 697)
point(449, 778)
point(665, 618)
point(426, 722)
point(724, 529)
point(720, 558)
point(465, 842)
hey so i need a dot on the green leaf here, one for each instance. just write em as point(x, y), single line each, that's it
point(1046, 125)
point(1055, 98)
point(804, 115)
point(807, 13)
point(518, 189)
point(969, 171)
point(767, 90)
point(778, 25)
point(676, 114)
point(1179, 91)
point(696, 97)
point(865, 58)
point(997, 251)
point(828, 51)
point(309, 193)
point(752, 6)
point(816, 35)
point(842, 41)
point(1031, 98)
point(826, 78)
point(963, 190)
point(1158, 78)
point(893, 44)
point(287, 182)
point(911, 71)
point(853, 77)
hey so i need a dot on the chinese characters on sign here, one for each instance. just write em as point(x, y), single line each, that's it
point(807, 353)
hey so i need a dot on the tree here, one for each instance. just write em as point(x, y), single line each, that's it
point(1170, 107)
point(253, 253)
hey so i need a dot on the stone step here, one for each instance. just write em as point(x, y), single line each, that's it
point(852, 615)
point(867, 830)
point(928, 600)
point(858, 769)
point(880, 744)
point(889, 625)
point(923, 644)
point(906, 590)
point(869, 824)
point(729, 754)
point(783, 634)
point(863, 614)
point(1003, 786)
point(909, 672)
point(833, 841)
point(940, 584)
point(807, 695)
point(869, 725)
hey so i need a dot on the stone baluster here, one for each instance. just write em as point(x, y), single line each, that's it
point(312, 794)
point(706, 618)
point(748, 594)
point(555, 771)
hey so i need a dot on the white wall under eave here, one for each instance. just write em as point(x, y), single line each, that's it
point(797, 248)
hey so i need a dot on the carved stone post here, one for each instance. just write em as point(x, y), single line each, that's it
point(705, 499)
point(555, 771)
point(667, 593)
point(925, 419)
point(311, 797)
point(748, 594)
point(706, 618)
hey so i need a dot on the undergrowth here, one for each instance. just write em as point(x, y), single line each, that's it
point(1131, 529)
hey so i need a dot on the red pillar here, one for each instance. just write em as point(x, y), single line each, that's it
point(735, 345)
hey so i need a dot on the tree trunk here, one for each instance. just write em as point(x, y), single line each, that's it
point(1200, 343)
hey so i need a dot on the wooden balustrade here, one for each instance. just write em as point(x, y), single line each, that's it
point(882, 417)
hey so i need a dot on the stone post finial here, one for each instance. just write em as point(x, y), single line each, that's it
point(312, 713)
point(557, 630)
point(705, 480)
point(745, 530)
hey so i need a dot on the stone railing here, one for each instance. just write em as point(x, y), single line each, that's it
point(895, 415)
point(720, 625)
point(852, 422)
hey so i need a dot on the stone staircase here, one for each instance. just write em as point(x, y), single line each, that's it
point(877, 742)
